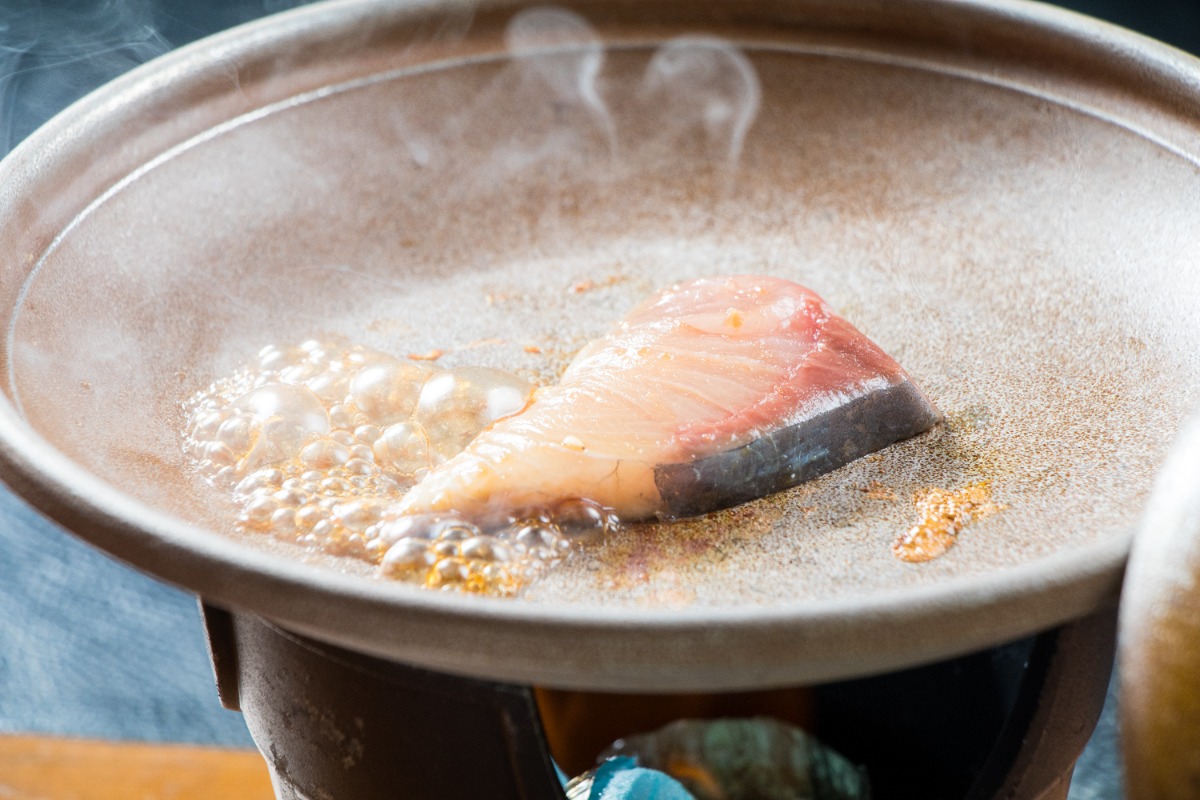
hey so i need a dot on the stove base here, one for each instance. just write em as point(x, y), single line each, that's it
point(337, 725)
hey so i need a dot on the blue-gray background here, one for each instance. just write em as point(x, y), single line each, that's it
point(91, 648)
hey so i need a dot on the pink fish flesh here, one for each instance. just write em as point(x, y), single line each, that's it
point(712, 393)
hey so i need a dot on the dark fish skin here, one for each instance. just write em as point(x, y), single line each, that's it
point(790, 456)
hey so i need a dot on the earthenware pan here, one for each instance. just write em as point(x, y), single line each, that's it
point(1003, 195)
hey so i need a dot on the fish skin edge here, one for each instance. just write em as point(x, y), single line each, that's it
point(792, 455)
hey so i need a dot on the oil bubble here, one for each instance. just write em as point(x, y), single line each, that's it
point(456, 404)
point(387, 392)
point(403, 447)
point(406, 556)
point(286, 417)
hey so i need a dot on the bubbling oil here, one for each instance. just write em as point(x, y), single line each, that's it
point(316, 443)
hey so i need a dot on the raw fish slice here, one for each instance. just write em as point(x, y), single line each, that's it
point(712, 393)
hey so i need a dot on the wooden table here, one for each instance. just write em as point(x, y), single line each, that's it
point(44, 768)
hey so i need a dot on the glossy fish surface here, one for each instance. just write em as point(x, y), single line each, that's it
point(713, 392)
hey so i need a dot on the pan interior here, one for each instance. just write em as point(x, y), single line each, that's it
point(1026, 262)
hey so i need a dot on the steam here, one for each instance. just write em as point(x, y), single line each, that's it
point(442, 30)
point(707, 84)
point(51, 54)
point(560, 49)
point(695, 89)
point(561, 106)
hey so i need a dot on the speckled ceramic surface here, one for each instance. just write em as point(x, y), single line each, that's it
point(1004, 196)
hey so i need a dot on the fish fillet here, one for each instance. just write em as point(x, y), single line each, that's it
point(712, 393)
